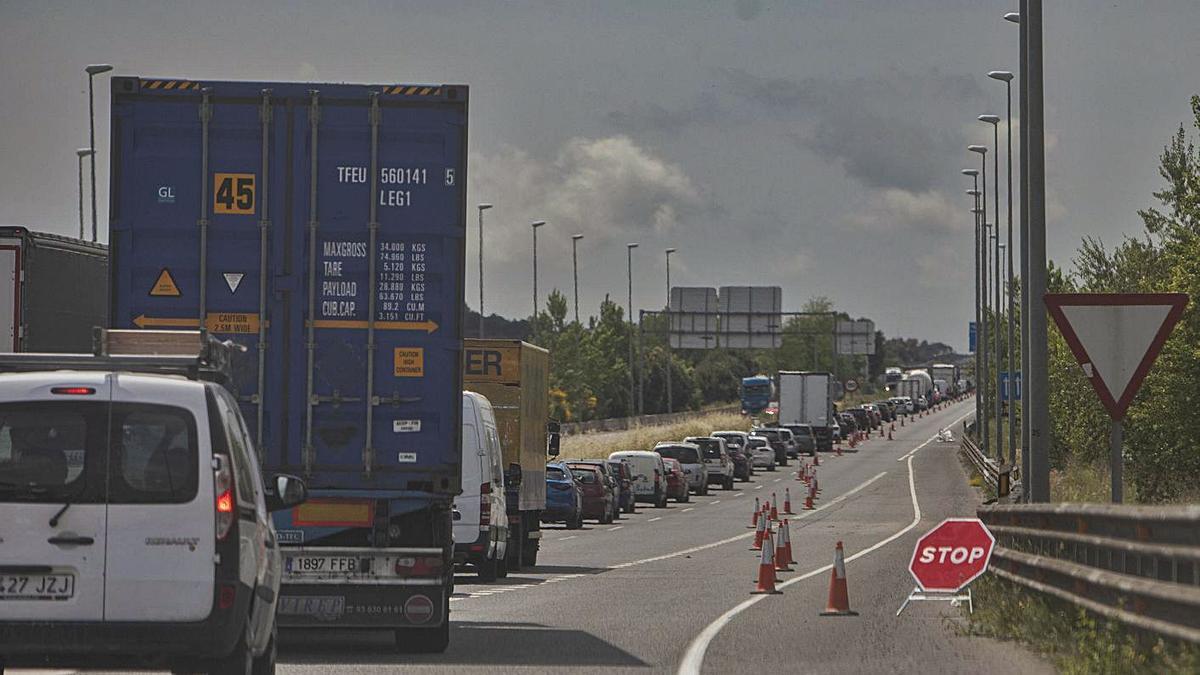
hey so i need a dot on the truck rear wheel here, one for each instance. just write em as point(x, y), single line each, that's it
point(488, 569)
point(531, 552)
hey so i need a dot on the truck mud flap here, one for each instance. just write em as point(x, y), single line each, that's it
point(361, 606)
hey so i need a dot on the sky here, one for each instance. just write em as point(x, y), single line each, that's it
point(815, 146)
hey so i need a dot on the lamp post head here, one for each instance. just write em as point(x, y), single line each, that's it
point(990, 119)
point(981, 149)
point(970, 172)
point(632, 245)
point(485, 206)
point(1014, 17)
point(1004, 75)
point(85, 152)
point(97, 68)
point(538, 223)
point(669, 251)
point(973, 193)
point(576, 237)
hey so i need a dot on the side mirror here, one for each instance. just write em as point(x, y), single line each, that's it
point(285, 491)
point(553, 439)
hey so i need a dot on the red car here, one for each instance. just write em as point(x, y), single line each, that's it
point(597, 495)
point(677, 484)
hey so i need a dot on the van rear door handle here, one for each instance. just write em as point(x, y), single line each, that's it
point(71, 541)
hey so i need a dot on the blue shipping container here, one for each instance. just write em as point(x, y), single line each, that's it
point(321, 226)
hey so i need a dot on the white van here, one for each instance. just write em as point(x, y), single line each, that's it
point(136, 525)
point(481, 523)
point(649, 476)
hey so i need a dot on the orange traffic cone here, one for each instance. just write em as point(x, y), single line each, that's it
point(766, 572)
point(786, 534)
point(774, 508)
point(787, 502)
point(754, 516)
point(839, 597)
point(853, 440)
point(808, 500)
point(782, 564)
point(759, 532)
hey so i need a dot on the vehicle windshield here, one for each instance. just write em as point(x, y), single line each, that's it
point(681, 453)
point(732, 439)
point(585, 476)
point(756, 443)
point(801, 430)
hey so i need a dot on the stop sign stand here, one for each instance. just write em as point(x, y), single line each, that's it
point(947, 559)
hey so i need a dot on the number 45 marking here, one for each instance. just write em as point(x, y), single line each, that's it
point(233, 193)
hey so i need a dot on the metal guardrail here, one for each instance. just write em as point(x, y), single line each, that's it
point(623, 423)
point(1136, 564)
point(986, 466)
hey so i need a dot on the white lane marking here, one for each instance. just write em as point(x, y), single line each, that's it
point(654, 519)
point(614, 529)
point(693, 659)
point(690, 508)
point(737, 494)
point(914, 450)
point(840, 498)
point(715, 501)
point(777, 480)
point(758, 487)
point(566, 538)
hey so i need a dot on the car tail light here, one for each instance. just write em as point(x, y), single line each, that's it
point(485, 504)
point(226, 503)
point(73, 391)
point(420, 566)
point(226, 596)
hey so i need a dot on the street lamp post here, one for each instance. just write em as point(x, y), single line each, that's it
point(1007, 77)
point(974, 192)
point(81, 153)
point(1023, 209)
point(482, 208)
point(632, 375)
point(92, 71)
point(670, 396)
point(994, 120)
point(982, 336)
point(575, 269)
point(536, 224)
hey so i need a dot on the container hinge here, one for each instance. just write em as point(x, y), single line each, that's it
point(397, 400)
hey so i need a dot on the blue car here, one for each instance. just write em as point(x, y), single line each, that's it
point(564, 497)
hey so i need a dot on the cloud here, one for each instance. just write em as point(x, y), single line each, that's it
point(929, 212)
point(748, 9)
point(609, 189)
point(893, 131)
point(655, 118)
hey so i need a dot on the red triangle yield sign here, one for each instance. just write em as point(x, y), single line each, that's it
point(1116, 337)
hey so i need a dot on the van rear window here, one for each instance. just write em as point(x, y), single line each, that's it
point(52, 451)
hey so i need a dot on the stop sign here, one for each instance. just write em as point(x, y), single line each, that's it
point(951, 555)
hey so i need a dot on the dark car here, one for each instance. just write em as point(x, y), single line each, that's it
point(777, 443)
point(621, 470)
point(886, 410)
point(598, 496)
point(677, 483)
point(849, 424)
point(806, 441)
point(610, 479)
point(861, 418)
point(735, 443)
point(564, 497)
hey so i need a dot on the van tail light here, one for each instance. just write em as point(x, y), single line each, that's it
point(226, 505)
point(73, 391)
point(226, 595)
point(657, 478)
point(485, 504)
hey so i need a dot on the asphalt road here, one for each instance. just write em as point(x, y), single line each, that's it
point(668, 590)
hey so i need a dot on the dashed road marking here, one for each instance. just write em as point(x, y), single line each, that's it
point(614, 529)
point(690, 508)
point(654, 519)
point(566, 538)
point(715, 501)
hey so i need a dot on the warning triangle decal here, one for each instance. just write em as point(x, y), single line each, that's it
point(165, 286)
point(1116, 338)
point(233, 280)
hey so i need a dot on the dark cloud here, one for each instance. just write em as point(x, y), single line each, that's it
point(888, 132)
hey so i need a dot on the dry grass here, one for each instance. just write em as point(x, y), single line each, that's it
point(600, 444)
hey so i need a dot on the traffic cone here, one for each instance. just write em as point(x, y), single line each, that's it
point(766, 572)
point(782, 564)
point(786, 533)
point(754, 516)
point(853, 442)
point(774, 508)
point(787, 502)
point(759, 532)
point(808, 499)
point(839, 598)
point(816, 488)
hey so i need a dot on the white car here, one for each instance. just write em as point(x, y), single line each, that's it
point(761, 452)
point(905, 403)
point(716, 459)
point(649, 476)
point(481, 526)
point(687, 454)
point(136, 523)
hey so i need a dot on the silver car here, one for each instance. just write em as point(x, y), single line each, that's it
point(689, 457)
point(761, 452)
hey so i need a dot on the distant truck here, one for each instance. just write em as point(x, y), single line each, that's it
point(756, 394)
point(515, 377)
point(806, 398)
point(53, 292)
point(320, 226)
point(948, 373)
point(924, 386)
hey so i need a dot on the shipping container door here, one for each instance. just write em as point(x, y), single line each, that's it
point(381, 399)
point(10, 297)
point(196, 217)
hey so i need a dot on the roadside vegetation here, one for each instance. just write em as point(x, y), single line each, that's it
point(600, 444)
point(1076, 641)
